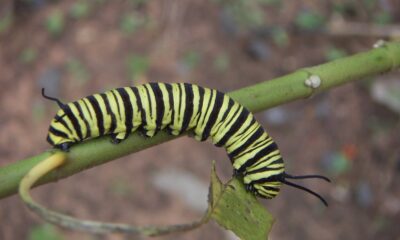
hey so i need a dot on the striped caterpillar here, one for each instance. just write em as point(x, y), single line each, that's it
point(176, 108)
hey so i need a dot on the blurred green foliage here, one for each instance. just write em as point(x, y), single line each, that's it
point(280, 36)
point(307, 20)
point(55, 23)
point(137, 66)
point(45, 232)
point(28, 55)
point(382, 18)
point(333, 53)
point(191, 59)
point(5, 22)
point(80, 9)
point(247, 14)
point(340, 7)
point(271, 2)
point(338, 163)
point(369, 4)
point(131, 22)
point(38, 111)
point(78, 71)
point(138, 2)
point(121, 188)
point(221, 62)
point(100, 1)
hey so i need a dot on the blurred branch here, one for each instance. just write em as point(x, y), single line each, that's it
point(300, 84)
point(338, 26)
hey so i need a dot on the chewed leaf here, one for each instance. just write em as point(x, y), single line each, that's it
point(215, 191)
point(238, 210)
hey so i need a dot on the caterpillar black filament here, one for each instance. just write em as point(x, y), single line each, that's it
point(178, 107)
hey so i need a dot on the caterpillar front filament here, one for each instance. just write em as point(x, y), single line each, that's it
point(178, 107)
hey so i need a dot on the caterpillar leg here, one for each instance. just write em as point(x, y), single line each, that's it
point(148, 130)
point(150, 133)
point(64, 146)
point(250, 188)
point(117, 138)
point(236, 173)
point(146, 133)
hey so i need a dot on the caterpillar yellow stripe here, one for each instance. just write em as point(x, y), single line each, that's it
point(176, 108)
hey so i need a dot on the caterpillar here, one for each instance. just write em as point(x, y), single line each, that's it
point(176, 108)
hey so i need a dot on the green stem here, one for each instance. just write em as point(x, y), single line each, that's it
point(256, 98)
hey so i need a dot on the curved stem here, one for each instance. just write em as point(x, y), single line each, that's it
point(56, 160)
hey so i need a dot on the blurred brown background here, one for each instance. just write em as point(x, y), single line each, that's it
point(76, 48)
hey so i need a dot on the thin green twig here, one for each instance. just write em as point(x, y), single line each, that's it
point(58, 159)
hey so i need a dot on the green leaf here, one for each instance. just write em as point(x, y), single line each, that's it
point(238, 210)
point(216, 189)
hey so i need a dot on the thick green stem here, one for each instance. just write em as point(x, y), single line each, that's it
point(256, 98)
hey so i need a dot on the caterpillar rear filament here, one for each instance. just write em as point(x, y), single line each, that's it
point(179, 107)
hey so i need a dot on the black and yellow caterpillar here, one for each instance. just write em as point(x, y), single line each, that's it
point(178, 107)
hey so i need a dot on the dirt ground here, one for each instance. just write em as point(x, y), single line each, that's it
point(342, 133)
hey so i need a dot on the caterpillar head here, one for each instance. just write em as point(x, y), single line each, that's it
point(269, 187)
point(266, 190)
point(59, 134)
point(263, 186)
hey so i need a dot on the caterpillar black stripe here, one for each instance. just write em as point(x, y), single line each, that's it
point(178, 107)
